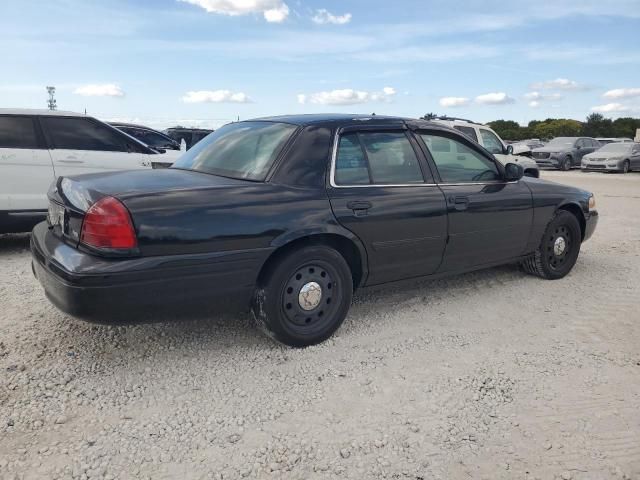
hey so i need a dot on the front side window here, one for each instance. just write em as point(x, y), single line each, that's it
point(382, 158)
point(82, 134)
point(468, 131)
point(17, 132)
point(491, 142)
point(150, 138)
point(457, 163)
point(243, 150)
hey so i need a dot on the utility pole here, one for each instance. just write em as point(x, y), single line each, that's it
point(51, 103)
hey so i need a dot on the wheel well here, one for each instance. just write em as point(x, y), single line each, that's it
point(532, 172)
point(577, 212)
point(342, 245)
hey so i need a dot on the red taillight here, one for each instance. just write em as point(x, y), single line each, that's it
point(107, 224)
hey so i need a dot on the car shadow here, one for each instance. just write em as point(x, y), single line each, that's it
point(14, 243)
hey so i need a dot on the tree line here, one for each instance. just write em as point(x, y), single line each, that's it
point(596, 125)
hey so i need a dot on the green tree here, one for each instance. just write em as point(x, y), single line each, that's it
point(597, 126)
point(508, 129)
point(625, 127)
point(561, 127)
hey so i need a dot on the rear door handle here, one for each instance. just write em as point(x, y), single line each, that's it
point(359, 207)
point(70, 161)
point(459, 202)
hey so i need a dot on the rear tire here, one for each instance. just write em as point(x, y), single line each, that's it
point(304, 297)
point(558, 250)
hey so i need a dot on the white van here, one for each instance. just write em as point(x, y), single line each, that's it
point(37, 146)
point(490, 140)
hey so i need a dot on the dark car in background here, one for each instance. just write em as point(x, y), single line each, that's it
point(564, 153)
point(148, 136)
point(191, 136)
point(289, 215)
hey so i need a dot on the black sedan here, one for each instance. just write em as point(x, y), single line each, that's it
point(289, 215)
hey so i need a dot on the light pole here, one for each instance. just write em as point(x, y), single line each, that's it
point(51, 103)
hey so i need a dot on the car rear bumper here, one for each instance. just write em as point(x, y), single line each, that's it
point(136, 290)
point(591, 220)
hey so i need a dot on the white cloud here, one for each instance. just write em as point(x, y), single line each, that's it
point(610, 107)
point(215, 96)
point(558, 84)
point(622, 93)
point(454, 101)
point(99, 90)
point(534, 103)
point(498, 98)
point(323, 16)
point(274, 11)
point(537, 97)
point(347, 96)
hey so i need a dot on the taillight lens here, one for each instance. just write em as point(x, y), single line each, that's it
point(107, 224)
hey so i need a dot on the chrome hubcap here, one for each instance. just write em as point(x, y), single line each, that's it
point(310, 296)
point(559, 246)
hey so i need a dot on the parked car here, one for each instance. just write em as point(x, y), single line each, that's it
point(524, 147)
point(614, 157)
point(36, 146)
point(157, 140)
point(604, 141)
point(191, 136)
point(290, 214)
point(564, 152)
point(490, 140)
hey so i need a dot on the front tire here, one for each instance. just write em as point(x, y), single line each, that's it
point(566, 164)
point(625, 166)
point(304, 296)
point(558, 250)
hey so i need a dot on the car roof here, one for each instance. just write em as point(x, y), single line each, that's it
point(326, 118)
point(40, 111)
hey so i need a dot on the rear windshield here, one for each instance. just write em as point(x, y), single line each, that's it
point(243, 150)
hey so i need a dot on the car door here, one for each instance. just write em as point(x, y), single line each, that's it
point(489, 218)
point(26, 170)
point(381, 191)
point(583, 147)
point(635, 157)
point(84, 145)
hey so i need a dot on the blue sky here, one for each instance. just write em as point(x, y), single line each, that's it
point(206, 62)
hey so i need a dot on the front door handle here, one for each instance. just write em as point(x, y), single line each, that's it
point(359, 207)
point(459, 202)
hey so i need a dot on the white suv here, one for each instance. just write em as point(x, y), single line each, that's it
point(490, 140)
point(37, 146)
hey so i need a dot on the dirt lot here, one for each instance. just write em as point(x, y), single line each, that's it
point(490, 375)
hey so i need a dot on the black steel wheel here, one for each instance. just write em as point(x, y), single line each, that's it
point(559, 248)
point(304, 296)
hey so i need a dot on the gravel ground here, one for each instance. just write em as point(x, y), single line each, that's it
point(493, 374)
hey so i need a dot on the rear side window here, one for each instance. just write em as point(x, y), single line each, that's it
point(468, 131)
point(457, 163)
point(17, 132)
point(383, 158)
point(82, 134)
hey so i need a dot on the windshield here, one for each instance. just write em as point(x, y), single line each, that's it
point(561, 142)
point(616, 147)
point(244, 150)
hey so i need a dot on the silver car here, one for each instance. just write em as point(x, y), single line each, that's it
point(614, 157)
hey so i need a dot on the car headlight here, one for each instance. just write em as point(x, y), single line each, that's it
point(592, 202)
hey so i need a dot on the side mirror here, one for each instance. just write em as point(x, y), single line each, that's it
point(161, 150)
point(578, 147)
point(509, 149)
point(513, 172)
